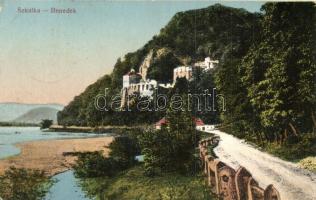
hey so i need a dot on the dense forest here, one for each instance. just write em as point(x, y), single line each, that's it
point(266, 72)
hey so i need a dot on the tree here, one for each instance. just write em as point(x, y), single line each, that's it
point(124, 149)
point(46, 123)
point(172, 147)
point(280, 70)
point(22, 184)
point(94, 164)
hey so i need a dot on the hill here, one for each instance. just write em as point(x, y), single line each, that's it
point(12, 111)
point(36, 115)
point(221, 32)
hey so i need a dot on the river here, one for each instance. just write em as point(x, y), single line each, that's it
point(66, 186)
point(292, 182)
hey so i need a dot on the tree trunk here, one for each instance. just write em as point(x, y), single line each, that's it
point(294, 130)
point(314, 120)
point(261, 139)
point(285, 135)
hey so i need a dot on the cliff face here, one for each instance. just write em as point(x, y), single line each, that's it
point(146, 64)
point(220, 32)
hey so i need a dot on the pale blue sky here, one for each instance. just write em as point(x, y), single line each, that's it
point(50, 58)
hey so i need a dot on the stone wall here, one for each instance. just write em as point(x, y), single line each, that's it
point(229, 184)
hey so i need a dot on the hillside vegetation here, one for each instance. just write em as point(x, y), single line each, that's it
point(220, 32)
point(266, 72)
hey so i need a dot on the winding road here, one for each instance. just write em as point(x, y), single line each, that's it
point(292, 182)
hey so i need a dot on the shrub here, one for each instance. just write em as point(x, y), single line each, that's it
point(295, 148)
point(94, 164)
point(23, 184)
point(123, 150)
point(46, 123)
point(171, 148)
point(308, 163)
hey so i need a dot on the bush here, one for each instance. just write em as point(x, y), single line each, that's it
point(308, 163)
point(295, 148)
point(23, 184)
point(123, 150)
point(94, 164)
point(46, 123)
point(171, 148)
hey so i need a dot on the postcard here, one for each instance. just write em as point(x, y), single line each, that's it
point(157, 100)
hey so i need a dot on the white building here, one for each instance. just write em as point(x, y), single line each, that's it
point(182, 71)
point(165, 85)
point(131, 78)
point(145, 88)
point(207, 64)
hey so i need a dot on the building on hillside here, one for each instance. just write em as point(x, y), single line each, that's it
point(182, 72)
point(160, 123)
point(144, 88)
point(165, 85)
point(131, 78)
point(199, 124)
point(207, 64)
point(133, 83)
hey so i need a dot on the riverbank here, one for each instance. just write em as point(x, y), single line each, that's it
point(89, 129)
point(133, 184)
point(48, 155)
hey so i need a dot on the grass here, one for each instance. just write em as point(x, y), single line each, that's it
point(294, 151)
point(133, 185)
point(308, 163)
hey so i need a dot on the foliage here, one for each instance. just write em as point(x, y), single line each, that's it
point(162, 67)
point(308, 163)
point(271, 92)
point(172, 147)
point(23, 184)
point(220, 32)
point(94, 164)
point(10, 124)
point(123, 150)
point(294, 148)
point(132, 184)
point(46, 123)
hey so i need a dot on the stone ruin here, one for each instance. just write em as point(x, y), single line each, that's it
point(229, 184)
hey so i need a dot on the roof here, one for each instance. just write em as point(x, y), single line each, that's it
point(163, 121)
point(132, 72)
point(199, 122)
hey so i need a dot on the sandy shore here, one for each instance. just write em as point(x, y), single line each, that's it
point(48, 155)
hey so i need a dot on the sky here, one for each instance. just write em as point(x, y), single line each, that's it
point(50, 58)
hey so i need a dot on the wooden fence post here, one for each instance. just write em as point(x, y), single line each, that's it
point(227, 183)
point(254, 191)
point(241, 180)
point(270, 193)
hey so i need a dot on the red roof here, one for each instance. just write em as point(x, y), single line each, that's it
point(163, 121)
point(199, 122)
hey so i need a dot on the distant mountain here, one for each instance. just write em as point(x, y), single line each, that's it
point(12, 111)
point(36, 115)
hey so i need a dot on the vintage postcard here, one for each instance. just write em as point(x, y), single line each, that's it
point(157, 100)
